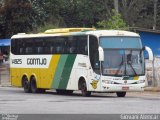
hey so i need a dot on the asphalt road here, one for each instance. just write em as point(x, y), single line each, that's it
point(15, 101)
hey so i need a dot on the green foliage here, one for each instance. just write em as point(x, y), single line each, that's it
point(115, 22)
point(17, 16)
point(38, 15)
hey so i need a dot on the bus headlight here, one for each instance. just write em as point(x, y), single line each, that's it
point(141, 81)
point(107, 82)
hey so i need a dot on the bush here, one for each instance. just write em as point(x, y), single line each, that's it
point(115, 22)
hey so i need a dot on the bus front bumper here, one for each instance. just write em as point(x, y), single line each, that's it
point(122, 87)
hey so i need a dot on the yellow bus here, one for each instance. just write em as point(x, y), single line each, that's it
point(85, 59)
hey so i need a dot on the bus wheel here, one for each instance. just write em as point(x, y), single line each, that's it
point(121, 94)
point(83, 88)
point(26, 85)
point(33, 84)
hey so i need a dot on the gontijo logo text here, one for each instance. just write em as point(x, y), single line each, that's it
point(31, 61)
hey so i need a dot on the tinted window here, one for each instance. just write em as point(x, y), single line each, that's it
point(77, 45)
point(120, 42)
point(94, 54)
point(29, 46)
point(13, 46)
point(50, 45)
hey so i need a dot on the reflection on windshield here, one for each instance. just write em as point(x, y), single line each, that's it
point(123, 62)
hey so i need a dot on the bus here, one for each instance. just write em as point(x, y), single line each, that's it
point(85, 59)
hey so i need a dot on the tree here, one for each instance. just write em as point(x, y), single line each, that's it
point(115, 22)
point(38, 15)
point(155, 14)
point(17, 16)
point(137, 13)
point(116, 5)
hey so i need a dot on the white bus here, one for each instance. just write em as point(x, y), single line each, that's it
point(83, 59)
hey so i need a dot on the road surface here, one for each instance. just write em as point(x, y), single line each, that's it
point(15, 101)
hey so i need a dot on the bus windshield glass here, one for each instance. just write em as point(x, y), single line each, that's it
point(120, 42)
point(122, 59)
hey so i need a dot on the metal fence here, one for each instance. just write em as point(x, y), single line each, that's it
point(153, 72)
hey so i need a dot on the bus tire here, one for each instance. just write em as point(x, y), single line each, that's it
point(26, 85)
point(83, 88)
point(121, 94)
point(33, 85)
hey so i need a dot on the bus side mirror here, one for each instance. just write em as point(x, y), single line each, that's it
point(150, 53)
point(101, 54)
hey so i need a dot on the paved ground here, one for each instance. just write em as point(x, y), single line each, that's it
point(14, 100)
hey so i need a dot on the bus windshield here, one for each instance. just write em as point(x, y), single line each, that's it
point(122, 59)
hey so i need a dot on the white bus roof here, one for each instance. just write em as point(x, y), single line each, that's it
point(76, 31)
point(99, 33)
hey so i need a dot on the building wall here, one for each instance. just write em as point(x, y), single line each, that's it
point(151, 40)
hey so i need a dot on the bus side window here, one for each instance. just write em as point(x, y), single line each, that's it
point(19, 47)
point(52, 51)
point(28, 50)
point(72, 50)
point(38, 46)
point(49, 45)
point(58, 49)
point(79, 45)
point(21, 51)
point(40, 50)
point(94, 54)
point(71, 45)
point(29, 45)
point(60, 45)
point(86, 50)
point(14, 46)
point(82, 46)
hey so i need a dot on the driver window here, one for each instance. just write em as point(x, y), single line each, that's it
point(94, 54)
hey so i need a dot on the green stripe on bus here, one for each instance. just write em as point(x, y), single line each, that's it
point(67, 71)
point(59, 70)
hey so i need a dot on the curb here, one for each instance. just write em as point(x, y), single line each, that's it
point(152, 89)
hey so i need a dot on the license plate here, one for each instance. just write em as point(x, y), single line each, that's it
point(125, 88)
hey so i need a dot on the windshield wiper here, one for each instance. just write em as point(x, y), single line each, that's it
point(129, 57)
point(120, 66)
point(133, 69)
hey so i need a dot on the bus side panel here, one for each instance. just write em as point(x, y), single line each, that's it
point(63, 71)
point(47, 74)
point(18, 73)
point(80, 69)
point(15, 77)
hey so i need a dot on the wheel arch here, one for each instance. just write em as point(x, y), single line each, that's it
point(33, 75)
point(36, 79)
point(81, 79)
point(22, 78)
